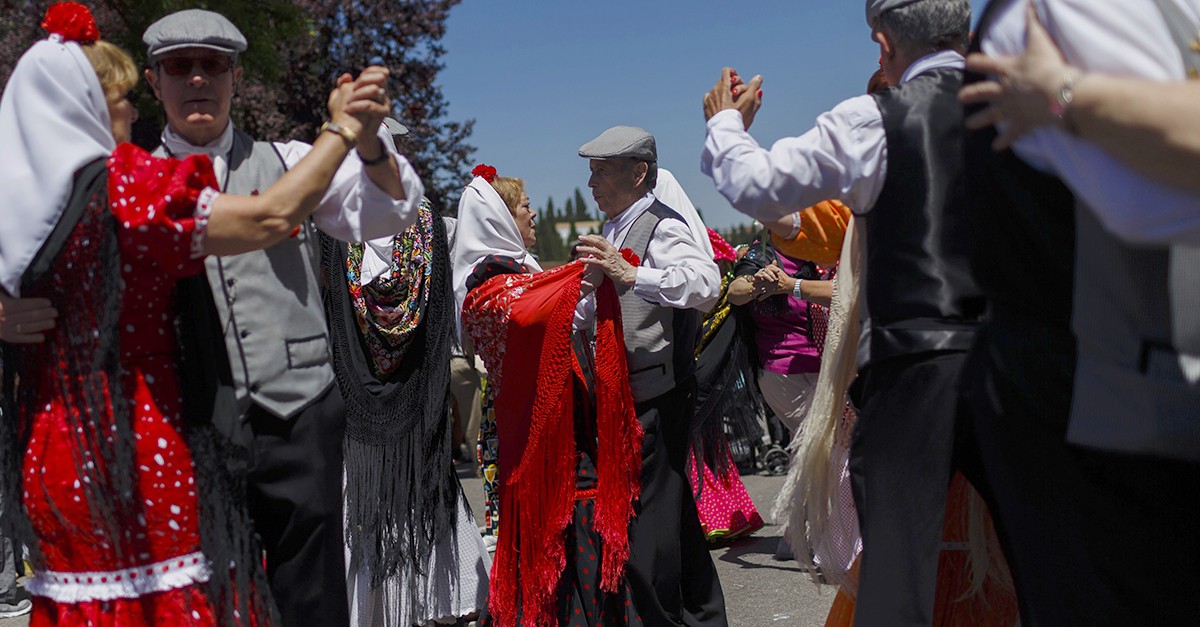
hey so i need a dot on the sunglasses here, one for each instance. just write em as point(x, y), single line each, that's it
point(214, 65)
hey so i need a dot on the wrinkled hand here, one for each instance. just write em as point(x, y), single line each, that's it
point(24, 320)
point(595, 251)
point(731, 93)
point(1023, 90)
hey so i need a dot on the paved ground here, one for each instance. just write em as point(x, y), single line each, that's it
point(759, 591)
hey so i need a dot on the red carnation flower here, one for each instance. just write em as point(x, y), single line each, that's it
point(487, 172)
point(71, 21)
point(631, 257)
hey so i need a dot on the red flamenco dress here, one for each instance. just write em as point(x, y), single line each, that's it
point(108, 480)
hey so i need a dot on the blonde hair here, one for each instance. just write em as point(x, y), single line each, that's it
point(114, 67)
point(510, 190)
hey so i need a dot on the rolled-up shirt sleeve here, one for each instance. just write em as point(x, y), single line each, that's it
point(355, 209)
point(676, 272)
point(843, 157)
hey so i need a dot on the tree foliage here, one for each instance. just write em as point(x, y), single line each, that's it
point(297, 50)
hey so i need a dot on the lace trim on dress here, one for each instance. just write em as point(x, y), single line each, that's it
point(204, 207)
point(129, 583)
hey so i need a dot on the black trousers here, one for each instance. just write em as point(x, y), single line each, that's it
point(295, 496)
point(901, 459)
point(671, 573)
point(1092, 538)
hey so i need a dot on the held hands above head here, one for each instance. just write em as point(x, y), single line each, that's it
point(731, 92)
point(24, 320)
point(597, 252)
point(241, 224)
point(367, 104)
point(1027, 91)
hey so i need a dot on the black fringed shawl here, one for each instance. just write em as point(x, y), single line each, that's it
point(401, 491)
point(88, 297)
point(728, 402)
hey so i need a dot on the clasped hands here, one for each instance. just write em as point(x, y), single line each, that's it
point(770, 281)
point(360, 104)
point(731, 92)
point(603, 259)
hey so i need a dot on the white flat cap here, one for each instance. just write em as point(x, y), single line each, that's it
point(877, 7)
point(193, 28)
point(621, 141)
point(394, 126)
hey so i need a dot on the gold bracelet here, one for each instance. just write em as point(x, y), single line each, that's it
point(337, 129)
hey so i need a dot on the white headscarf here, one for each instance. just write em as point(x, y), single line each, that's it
point(670, 193)
point(53, 121)
point(485, 227)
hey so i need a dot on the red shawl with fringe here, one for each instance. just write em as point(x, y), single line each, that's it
point(521, 325)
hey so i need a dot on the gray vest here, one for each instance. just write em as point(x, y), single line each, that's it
point(270, 301)
point(659, 341)
point(1137, 319)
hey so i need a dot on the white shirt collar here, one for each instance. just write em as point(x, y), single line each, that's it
point(618, 225)
point(217, 150)
point(942, 59)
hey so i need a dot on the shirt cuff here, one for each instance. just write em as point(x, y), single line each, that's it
point(647, 283)
point(204, 207)
point(727, 119)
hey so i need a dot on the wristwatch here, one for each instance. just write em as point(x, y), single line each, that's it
point(796, 289)
point(337, 129)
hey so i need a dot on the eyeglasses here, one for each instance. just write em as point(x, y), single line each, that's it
point(214, 65)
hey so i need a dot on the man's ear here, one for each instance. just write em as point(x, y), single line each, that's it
point(886, 48)
point(640, 170)
point(152, 79)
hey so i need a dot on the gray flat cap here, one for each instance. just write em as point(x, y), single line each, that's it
point(193, 28)
point(395, 127)
point(621, 141)
point(877, 7)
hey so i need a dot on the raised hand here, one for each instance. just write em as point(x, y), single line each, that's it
point(731, 92)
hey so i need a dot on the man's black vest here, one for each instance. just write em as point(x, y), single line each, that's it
point(920, 295)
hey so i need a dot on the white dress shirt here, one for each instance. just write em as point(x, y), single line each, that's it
point(844, 157)
point(353, 209)
point(1120, 38)
point(676, 272)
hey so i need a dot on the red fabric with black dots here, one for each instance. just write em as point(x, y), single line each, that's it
point(153, 201)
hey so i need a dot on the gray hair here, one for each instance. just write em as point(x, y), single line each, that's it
point(928, 26)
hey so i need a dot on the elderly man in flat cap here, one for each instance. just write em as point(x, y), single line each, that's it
point(292, 414)
point(674, 279)
point(895, 158)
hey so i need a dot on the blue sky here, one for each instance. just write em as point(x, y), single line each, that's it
point(541, 78)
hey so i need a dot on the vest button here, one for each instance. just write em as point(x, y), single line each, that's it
point(255, 387)
point(244, 333)
point(231, 282)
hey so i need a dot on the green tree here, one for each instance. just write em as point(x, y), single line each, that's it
point(581, 206)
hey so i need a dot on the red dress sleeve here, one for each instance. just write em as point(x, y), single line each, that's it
point(159, 209)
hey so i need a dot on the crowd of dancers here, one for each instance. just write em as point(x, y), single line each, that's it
point(973, 308)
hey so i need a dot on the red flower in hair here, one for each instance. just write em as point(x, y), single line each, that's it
point(487, 172)
point(71, 21)
point(722, 251)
